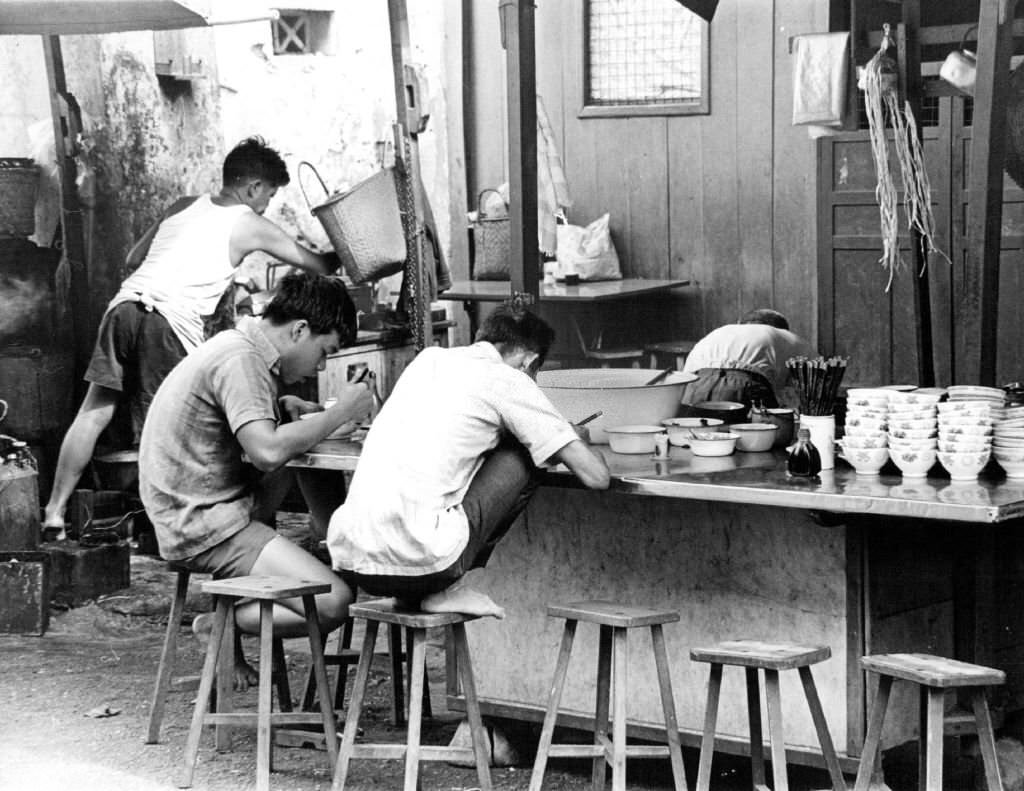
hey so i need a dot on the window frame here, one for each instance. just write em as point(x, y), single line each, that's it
point(701, 106)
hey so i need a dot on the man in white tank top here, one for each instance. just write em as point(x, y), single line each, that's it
point(182, 266)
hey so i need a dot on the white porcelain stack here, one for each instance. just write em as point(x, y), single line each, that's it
point(865, 442)
point(913, 444)
point(1008, 441)
point(965, 429)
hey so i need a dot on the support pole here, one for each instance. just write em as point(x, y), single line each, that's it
point(517, 35)
point(409, 123)
point(67, 124)
point(977, 317)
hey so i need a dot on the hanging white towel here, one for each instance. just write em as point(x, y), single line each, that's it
point(552, 188)
point(820, 67)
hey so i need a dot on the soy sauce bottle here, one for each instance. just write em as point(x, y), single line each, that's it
point(804, 460)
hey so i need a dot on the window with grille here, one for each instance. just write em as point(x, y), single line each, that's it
point(643, 57)
point(301, 31)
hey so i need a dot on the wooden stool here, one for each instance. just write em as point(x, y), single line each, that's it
point(384, 611)
point(934, 675)
point(615, 620)
point(771, 658)
point(678, 350)
point(169, 657)
point(265, 590)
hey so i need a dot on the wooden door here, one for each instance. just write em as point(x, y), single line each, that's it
point(876, 328)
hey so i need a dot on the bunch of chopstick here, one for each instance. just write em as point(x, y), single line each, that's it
point(816, 382)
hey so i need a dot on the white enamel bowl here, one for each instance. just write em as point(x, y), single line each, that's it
point(621, 393)
point(633, 439)
point(679, 428)
point(713, 443)
point(754, 437)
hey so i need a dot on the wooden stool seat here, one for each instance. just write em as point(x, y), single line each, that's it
point(615, 620)
point(769, 657)
point(755, 653)
point(412, 752)
point(933, 671)
point(678, 349)
point(933, 675)
point(266, 590)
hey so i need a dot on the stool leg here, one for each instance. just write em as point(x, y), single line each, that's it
point(551, 716)
point(195, 731)
point(930, 747)
point(225, 683)
point(873, 737)
point(344, 643)
point(621, 689)
point(986, 740)
point(773, 697)
point(821, 726)
point(355, 707)
point(707, 741)
point(316, 649)
point(481, 744)
point(668, 705)
point(280, 677)
point(601, 705)
point(397, 684)
point(168, 655)
point(418, 651)
point(756, 734)
point(263, 705)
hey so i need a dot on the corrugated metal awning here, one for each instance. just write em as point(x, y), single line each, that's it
point(66, 17)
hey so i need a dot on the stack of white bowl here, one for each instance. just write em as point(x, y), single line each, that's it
point(865, 441)
point(913, 444)
point(965, 429)
point(1008, 441)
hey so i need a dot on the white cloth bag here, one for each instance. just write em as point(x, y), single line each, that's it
point(588, 252)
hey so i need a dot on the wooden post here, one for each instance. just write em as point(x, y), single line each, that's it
point(67, 124)
point(909, 57)
point(517, 32)
point(976, 320)
point(407, 148)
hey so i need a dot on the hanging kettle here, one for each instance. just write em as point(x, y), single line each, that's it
point(960, 68)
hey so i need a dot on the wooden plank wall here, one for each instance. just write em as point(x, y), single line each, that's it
point(726, 199)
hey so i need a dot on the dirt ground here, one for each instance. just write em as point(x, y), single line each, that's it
point(102, 657)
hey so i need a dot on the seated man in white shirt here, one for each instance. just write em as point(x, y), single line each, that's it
point(744, 362)
point(449, 462)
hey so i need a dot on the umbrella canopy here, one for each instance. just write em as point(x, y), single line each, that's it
point(65, 17)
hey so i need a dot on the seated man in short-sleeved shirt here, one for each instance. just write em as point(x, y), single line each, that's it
point(449, 462)
point(223, 401)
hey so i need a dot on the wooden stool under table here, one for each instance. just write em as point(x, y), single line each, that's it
point(615, 621)
point(266, 590)
point(933, 675)
point(416, 624)
point(677, 350)
point(754, 655)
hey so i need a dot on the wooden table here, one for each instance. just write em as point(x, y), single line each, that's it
point(864, 564)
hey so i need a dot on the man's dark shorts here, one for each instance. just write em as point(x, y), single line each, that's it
point(135, 350)
point(235, 555)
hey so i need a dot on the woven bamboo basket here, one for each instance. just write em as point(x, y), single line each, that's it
point(19, 181)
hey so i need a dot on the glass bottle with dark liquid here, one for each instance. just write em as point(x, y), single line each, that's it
point(804, 460)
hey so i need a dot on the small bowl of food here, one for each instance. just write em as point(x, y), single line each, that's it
point(679, 428)
point(754, 437)
point(713, 443)
point(633, 439)
point(726, 411)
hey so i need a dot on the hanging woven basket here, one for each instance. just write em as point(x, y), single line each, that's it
point(1015, 126)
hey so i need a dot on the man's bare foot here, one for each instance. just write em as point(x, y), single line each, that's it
point(245, 675)
point(54, 529)
point(458, 598)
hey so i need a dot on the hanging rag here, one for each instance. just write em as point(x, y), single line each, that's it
point(820, 81)
point(552, 187)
